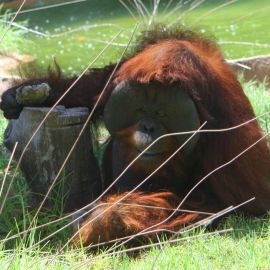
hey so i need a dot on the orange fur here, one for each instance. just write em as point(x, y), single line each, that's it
point(196, 65)
point(130, 217)
point(199, 67)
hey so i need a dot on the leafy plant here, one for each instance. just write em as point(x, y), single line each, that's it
point(12, 34)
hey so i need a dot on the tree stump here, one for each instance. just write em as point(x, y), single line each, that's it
point(79, 182)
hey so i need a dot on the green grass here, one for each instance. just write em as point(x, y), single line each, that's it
point(246, 247)
point(260, 97)
point(244, 21)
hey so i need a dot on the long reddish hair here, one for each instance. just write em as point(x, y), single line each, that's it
point(197, 65)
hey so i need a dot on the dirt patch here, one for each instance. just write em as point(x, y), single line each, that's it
point(9, 62)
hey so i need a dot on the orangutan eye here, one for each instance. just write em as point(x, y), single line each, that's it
point(161, 114)
point(140, 111)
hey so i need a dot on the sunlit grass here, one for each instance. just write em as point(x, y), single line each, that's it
point(245, 248)
point(244, 20)
point(259, 96)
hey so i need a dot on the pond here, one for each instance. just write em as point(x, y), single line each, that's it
point(77, 32)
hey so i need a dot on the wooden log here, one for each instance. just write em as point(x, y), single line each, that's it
point(255, 68)
point(80, 181)
point(15, 3)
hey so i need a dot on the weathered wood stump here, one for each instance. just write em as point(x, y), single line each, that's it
point(80, 180)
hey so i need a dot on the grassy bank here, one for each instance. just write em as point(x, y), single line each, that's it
point(76, 33)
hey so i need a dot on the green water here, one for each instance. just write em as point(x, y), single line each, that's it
point(76, 49)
